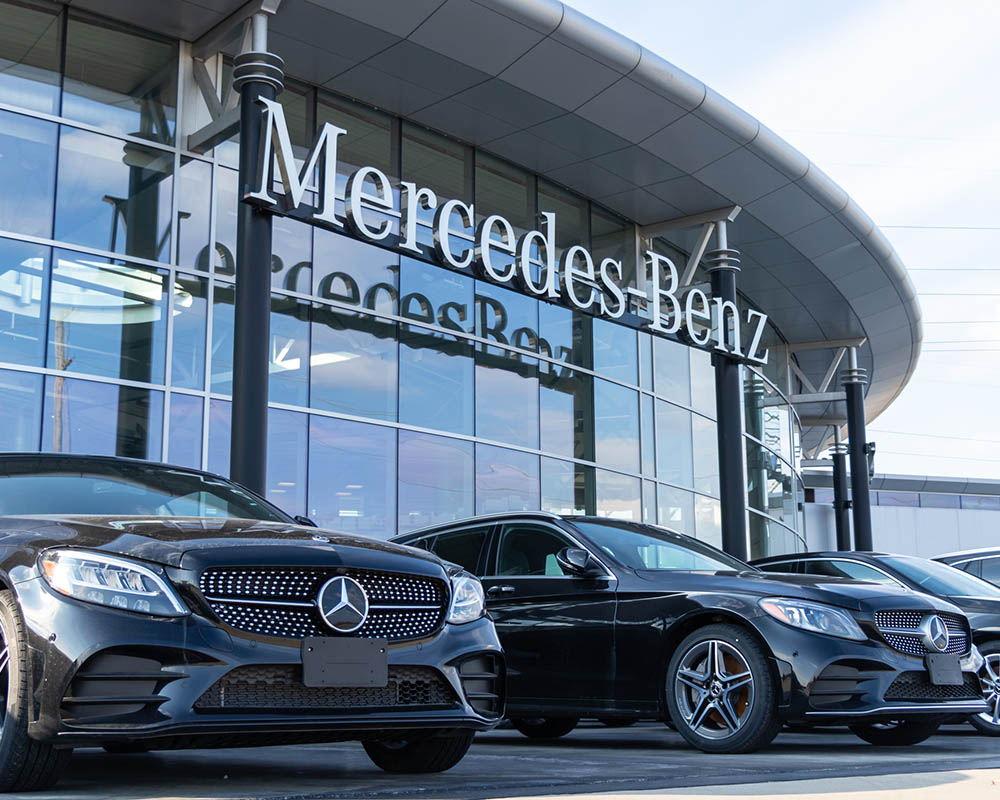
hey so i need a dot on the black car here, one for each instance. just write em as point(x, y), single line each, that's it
point(978, 599)
point(983, 563)
point(144, 606)
point(611, 619)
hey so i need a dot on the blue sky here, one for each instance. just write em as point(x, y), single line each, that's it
point(896, 101)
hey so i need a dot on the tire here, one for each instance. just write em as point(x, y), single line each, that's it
point(26, 765)
point(545, 727)
point(989, 676)
point(426, 754)
point(896, 733)
point(720, 692)
point(617, 722)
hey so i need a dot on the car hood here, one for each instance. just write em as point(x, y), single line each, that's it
point(194, 542)
point(843, 592)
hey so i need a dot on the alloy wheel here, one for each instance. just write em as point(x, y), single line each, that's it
point(4, 676)
point(989, 677)
point(714, 689)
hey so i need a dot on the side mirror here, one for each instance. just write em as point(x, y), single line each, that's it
point(577, 561)
point(305, 521)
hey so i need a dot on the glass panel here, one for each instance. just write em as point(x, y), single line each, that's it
point(101, 419)
point(612, 237)
point(289, 368)
point(460, 547)
point(928, 500)
point(530, 550)
point(646, 362)
point(222, 339)
point(615, 352)
point(567, 488)
point(767, 417)
point(287, 445)
point(27, 172)
point(219, 435)
point(113, 195)
point(352, 476)
point(504, 189)
point(107, 318)
point(702, 382)
point(119, 80)
point(514, 420)
point(911, 499)
point(226, 206)
point(618, 496)
point(349, 271)
point(673, 444)
point(291, 255)
point(353, 361)
point(769, 482)
point(21, 399)
point(436, 480)
point(649, 502)
point(186, 423)
point(567, 413)
point(991, 570)
point(369, 136)
point(23, 269)
point(572, 215)
point(194, 189)
point(441, 165)
point(671, 371)
point(506, 480)
point(506, 317)
point(770, 538)
point(676, 509)
point(708, 520)
point(980, 501)
point(29, 66)
point(616, 427)
point(565, 336)
point(190, 315)
point(648, 432)
point(705, 439)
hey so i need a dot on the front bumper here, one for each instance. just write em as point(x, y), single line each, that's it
point(826, 680)
point(100, 675)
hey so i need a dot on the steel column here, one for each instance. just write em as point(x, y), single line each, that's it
point(854, 381)
point(840, 502)
point(256, 73)
point(723, 264)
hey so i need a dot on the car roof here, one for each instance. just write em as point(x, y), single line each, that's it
point(859, 554)
point(481, 518)
point(960, 554)
point(86, 458)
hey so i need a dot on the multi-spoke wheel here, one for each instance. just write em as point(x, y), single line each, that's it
point(720, 691)
point(989, 676)
point(25, 764)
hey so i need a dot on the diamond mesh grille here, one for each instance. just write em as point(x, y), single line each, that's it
point(912, 643)
point(916, 686)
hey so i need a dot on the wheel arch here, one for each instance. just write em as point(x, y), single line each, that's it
point(981, 637)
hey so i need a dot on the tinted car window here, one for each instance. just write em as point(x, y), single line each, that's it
point(461, 547)
point(837, 568)
point(990, 570)
point(942, 579)
point(793, 567)
point(647, 547)
point(530, 551)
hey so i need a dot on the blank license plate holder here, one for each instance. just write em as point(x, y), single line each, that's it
point(329, 661)
point(945, 669)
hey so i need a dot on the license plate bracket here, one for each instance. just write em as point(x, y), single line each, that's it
point(945, 669)
point(330, 661)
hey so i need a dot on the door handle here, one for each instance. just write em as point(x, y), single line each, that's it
point(493, 591)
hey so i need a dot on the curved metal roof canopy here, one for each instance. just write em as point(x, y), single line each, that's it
point(540, 84)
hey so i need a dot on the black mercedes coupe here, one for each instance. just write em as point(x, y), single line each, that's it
point(622, 621)
point(144, 606)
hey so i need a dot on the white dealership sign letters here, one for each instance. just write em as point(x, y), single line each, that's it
point(492, 248)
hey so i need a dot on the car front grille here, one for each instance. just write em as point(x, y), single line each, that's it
point(281, 601)
point(915, 687)
point(900, 629)
point(279, 687)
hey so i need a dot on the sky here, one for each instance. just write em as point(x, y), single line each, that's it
point(897, 101)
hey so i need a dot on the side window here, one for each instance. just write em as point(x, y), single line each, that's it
point(423, 544)
point(848, 569)
point(526, 550)
point(786, 567)
point(461, 547)
point(991, 570)
point(972, 567)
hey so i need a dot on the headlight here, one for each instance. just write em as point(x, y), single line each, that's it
point(814, 617)
point(110, 581)
point(468, 602)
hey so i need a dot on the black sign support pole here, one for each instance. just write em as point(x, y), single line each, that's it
point(841, 517)
point(723, 264)
point(256, 73)
point(854, 380)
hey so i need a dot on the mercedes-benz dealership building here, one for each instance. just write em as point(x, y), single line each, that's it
point(509, 309)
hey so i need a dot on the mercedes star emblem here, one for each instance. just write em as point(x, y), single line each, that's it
point(343, 604)
point(935, 633)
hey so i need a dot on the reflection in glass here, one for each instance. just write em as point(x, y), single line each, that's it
point(107, 318)
point(27, 172)
point(506, 317)
point(291, 255)
point(226, 206)
point(572, 215)
point(184, 440)
point(29, 64)
point(702, 382)
point(353, 364)
point(618, 496)
point(705, 441)
point(767, 416)
point(190, 313)
point(613, 237)
point(506, 480)
point(615, 354)
point(769, 484)
point(350, 271)
point(113, 195)
point(219, 435)
point(567, 488)
point(506, 397)
point(287, 445)
point(676, 509)
point(21, 400)
point(442, 165)
point(673, 444)
point(289, 357)
point(646, 362)
point(616, 426)
point(369, 135)
point(101, 419)
point(504, 189)
point(436, 379)
point(565, 335)
point(708, 520)
point(436, 480)
point(770, 538)
point(648, 446)
point(352, 476)
point(566, 408)
point(649, 502)
point(23, 269)
point(194, 189)
point(222, 339)
point(671, 370)
point(120, 80)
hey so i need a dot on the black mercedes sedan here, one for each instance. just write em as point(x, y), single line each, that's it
point(978, 599)
point(611, 619)
point(145, 606)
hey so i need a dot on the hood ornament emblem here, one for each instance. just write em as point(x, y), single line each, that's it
point(343, 604)
point(935, 633)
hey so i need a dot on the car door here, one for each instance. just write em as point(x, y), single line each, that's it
point(557, 630)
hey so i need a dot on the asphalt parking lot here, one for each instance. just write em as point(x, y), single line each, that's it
point(505, 764)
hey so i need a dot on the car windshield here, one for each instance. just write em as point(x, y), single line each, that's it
point(941, 579)
point(649, 547)
point(110, 488)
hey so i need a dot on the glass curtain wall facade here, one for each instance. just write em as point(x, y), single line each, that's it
point(401, 394)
